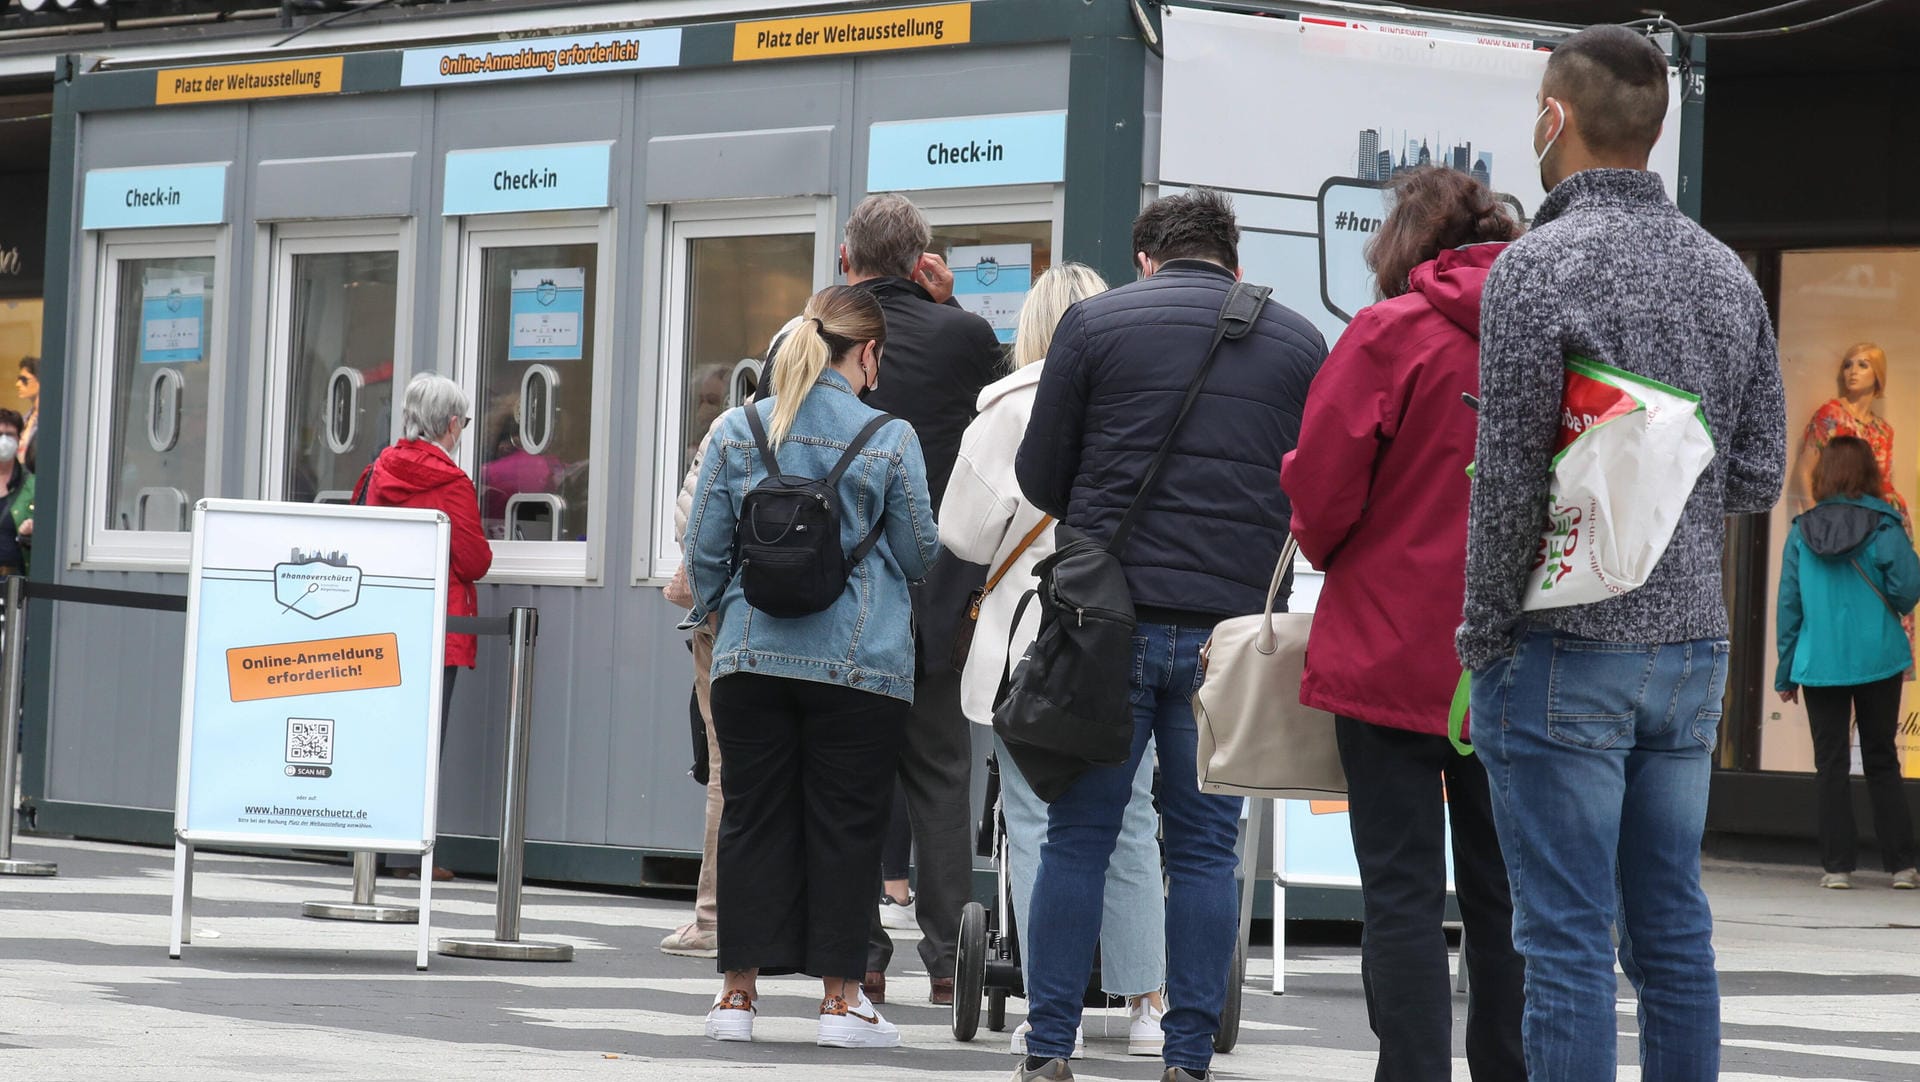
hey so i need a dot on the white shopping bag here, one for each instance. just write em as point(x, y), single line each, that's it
point(1628, 454)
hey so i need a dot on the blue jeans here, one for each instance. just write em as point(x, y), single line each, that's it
point(1133, 945)
point(1598, 755)
point(1082, 826)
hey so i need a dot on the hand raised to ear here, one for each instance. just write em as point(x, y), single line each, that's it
point(932, 275)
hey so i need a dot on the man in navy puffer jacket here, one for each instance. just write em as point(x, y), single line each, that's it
point(1203, 551)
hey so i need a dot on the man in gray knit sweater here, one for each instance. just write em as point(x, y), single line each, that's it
point(1597, 722)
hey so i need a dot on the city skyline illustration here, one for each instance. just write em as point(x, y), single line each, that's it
point(1374, 157)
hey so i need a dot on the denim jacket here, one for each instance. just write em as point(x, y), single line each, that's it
point(865, 640)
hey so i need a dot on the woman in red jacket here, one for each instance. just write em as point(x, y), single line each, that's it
point(420, 471)
point(1379, 492)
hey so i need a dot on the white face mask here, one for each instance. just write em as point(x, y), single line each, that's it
point(1541, 158)
point(9, 447)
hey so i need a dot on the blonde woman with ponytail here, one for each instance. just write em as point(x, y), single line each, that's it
point(810, 711)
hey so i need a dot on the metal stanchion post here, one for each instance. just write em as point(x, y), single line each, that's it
point(506, 944)
point(363, 907)
point(13, 656)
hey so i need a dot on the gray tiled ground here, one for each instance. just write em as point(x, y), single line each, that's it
point(1819, 986)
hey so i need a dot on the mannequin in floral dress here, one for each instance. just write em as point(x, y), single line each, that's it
point(1862, 378)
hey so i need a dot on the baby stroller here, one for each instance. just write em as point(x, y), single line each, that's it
point(987, 957)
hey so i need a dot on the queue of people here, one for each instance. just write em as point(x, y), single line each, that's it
point(817, 587)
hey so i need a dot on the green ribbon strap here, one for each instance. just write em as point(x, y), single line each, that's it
point(1457, 716)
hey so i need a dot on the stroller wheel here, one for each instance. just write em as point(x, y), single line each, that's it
point(997, 1011)
point(969, 971)
point(1229, 1033)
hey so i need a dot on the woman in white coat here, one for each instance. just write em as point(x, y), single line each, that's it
point(984, 519)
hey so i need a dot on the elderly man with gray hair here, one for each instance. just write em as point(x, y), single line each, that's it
point(939, 356)
point(420, 471)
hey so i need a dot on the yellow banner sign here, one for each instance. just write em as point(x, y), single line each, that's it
point(854, 32)
point(230, 82)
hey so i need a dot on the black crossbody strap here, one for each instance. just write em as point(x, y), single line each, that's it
point(854, 448)
point(1237, 316)
point(865, 547)
point(760, 438)
point(1877, 592)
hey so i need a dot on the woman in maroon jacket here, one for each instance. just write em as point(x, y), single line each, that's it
point(419, 471)
point(1379, 492)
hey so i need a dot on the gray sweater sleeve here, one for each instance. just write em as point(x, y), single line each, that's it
point(1522, 373)
point(1757, 448)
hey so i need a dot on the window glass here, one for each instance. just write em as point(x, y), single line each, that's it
point(533, 415)
point(1831, 302)
point(740, 292)
point(158, 465)
point(340, 379)
point(993, 266)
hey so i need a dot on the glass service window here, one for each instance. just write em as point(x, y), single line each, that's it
point(994, 265)
point(339, 406)
point(740, 292)
point(165, 311)
point(532, 426)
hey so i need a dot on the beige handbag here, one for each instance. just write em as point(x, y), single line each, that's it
point(1255, 737)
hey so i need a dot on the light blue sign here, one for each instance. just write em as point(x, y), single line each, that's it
point(148, 198)
point(173, 317)
point(313, 705)
point(991, 281)
point(1350, 214)
point(967, 152)
point(548, 307)
point(530, 58)
point(511, 179)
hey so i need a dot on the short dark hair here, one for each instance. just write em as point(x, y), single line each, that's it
point(1615, 80)
point(12, 417)
point(31, 366)
point(1846, 468)
point(1434, 208)
point(1196, 224)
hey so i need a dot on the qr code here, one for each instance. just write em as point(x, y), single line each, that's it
point(310, 740)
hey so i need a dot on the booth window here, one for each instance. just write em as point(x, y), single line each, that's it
point(530, 331)
point(340, 311)
point(993, 265)
point(733, 281)
point(161, 342)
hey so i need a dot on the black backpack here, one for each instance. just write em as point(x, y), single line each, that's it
point(1064, 708)
point(786, 546)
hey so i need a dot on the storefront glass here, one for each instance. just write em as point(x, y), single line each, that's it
point(19, 337)
point(340, 378)
point(532, 426)
point(1830, 303)
point(158, 466)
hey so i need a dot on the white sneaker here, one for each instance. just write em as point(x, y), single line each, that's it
point(900, 916)
point(1143, 1033)
point(1020, 1040)
point(855, 1025)
point(731, 1018)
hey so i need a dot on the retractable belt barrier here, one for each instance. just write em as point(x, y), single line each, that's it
point(521, 627)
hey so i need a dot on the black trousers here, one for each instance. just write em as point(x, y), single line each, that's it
point(1394, 780)
point(936, 774)
point(896, 857)
point(1875, 709)
point(412, 860)
point(807, 771)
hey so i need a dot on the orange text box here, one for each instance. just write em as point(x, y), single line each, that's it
point(268, 79)
point(354, 663)
point(854, 32)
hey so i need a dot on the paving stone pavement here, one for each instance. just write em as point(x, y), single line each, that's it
point(1819, 985)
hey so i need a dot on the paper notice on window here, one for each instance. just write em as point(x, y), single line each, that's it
point(173, 317)
point(548, 307)
point(991, 281)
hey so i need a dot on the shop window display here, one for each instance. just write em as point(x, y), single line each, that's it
point(1850, 359)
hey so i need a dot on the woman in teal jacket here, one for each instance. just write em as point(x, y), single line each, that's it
point(1847, 578)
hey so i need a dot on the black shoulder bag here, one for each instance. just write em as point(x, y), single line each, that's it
point(1065, 706)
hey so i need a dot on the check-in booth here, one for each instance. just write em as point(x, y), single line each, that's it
point(596, 234)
